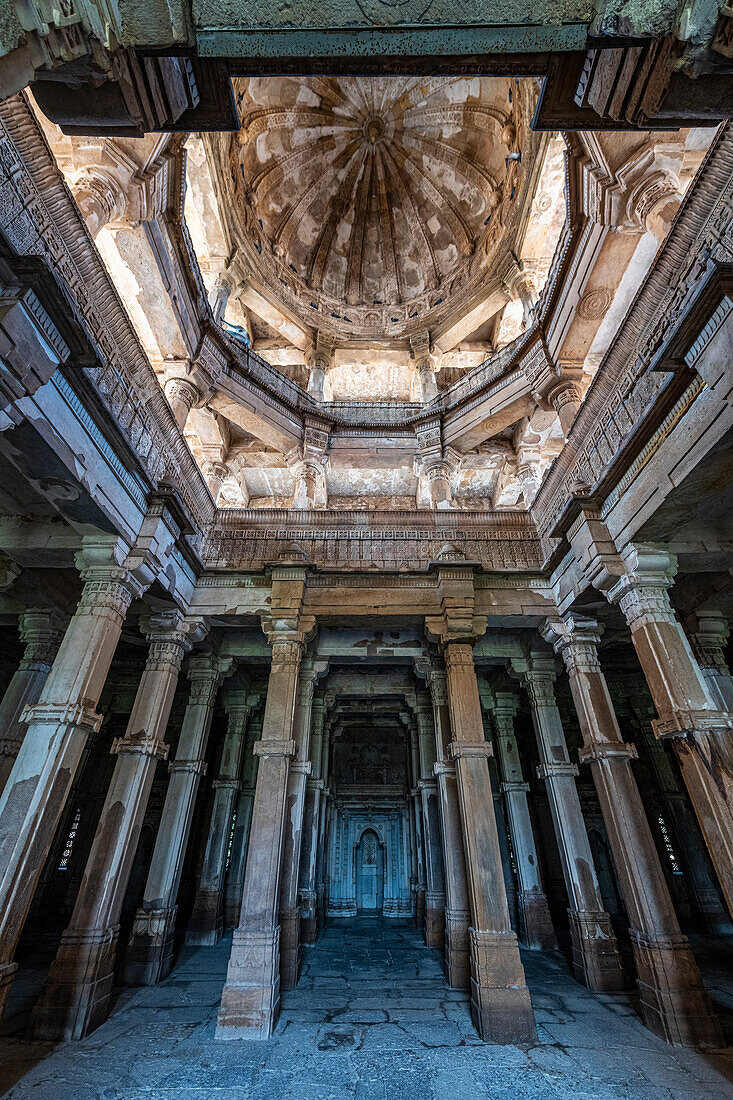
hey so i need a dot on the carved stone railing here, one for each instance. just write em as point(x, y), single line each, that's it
point(372, 540)
point(627, 398)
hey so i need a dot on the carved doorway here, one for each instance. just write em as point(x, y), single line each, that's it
point(369, 874)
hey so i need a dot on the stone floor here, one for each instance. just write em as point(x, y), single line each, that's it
point(371, 1020)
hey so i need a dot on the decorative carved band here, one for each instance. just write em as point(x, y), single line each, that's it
point(273, 747)
point(553, 771)
point(226, 785)
point(192, 767)
point(141, 743)
point(459, 749)
point(511, 786)
point(607, 750)
point(63, 714)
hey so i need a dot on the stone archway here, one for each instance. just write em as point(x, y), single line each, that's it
point(369, 873)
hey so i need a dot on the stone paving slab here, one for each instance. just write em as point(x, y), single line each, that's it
point(398, 1034)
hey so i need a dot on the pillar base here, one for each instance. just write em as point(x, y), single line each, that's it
point(7, 973)
point(149, 954)
point(500, 1006)
point(309, 929)
point(596, 961)
point(456, 959)
point(321, 904)
point(250, 1000)
point(233, 907)
point(290, 950)
point(674, 1002)
point(435, 925)
point(420, 907)
point(76, 997)
point(536, 929)
point(206, 926)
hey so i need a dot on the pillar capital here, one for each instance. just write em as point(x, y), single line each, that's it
point(506, 705)
point(41, 633)
point(576, 640)
point(708, 632)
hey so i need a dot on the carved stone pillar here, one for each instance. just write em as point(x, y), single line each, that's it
point(529, 479)
point(699, 876)
point(240, 842)
point(182, 396)
point(565, 400)
point(41, 633)
point(250, 1002)
point(58, 727)
point(324, 833)
point(535, 924)
point(149, 953)
point(500, 1004)
point(673, 1000)
point(220, 293)
point(428, 385)
point(417, 828)
point(311, 827)
point(709, 633)
point(75, 999)
point(206, 926)
point(595, 955)
point(457, 911)
point(688, 713)
point(215, 473)
point(428, 787)
point(300, 769)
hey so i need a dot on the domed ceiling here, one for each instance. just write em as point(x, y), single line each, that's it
point(368, 204)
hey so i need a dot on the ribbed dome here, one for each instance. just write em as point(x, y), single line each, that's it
point(374, 191)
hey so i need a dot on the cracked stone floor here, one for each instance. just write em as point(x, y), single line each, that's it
point(371, 1019)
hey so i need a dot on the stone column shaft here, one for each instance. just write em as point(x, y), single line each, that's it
point(245, 801)
point(709, 636)
point(58, 727)
point(311, 827)
point(41, 633)
point(457, 914)
point(300, 769)
point(206, 926)
point(250, 1002)
point(75, 999)
point(428, 787)
point(149, 953)
point(700, 732)
point(536, 928)
point(673, 1000)
point(500, 1004)
point(595, 955)
point(324, 835)
point(182, 396)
